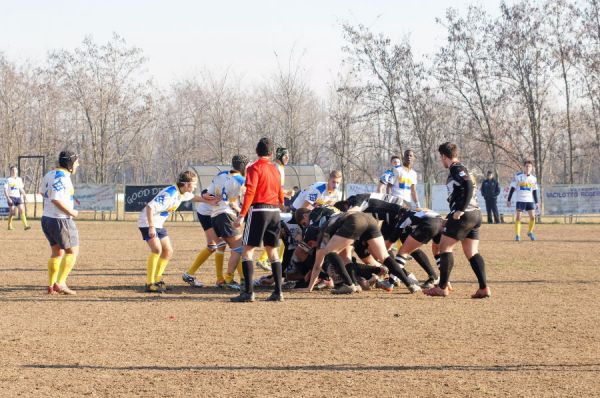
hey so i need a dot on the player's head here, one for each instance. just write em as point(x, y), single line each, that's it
point(335, 179)
point(490, 175)
point(448, 153)
point(68, 160)
point(14, 171)
point(528, 166)
point(239, 163)
point(264, 147)
point(395, 161)
point(187, 181)
point(409, 158)
point(282, 155)
point(302, 216)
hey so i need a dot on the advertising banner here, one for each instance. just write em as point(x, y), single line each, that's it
point(137, 196)
point(571, 199)
point(97, 197)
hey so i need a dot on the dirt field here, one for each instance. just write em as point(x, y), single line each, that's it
point(537, 336)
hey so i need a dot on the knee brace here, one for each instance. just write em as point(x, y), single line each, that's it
point(238, 250)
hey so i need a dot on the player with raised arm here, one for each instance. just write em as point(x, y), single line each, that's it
point(462, 224)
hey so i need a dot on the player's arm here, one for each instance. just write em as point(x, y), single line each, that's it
point(465, 181)
point(535, 197)
point(250, 185)
point(415, 195)
point(320, 256)
point(150, 217)
point(513, 187)
point(6, 195)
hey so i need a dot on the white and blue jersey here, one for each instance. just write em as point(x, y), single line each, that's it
point(317, 194)
point(14, 186)
point(524, 186)
point(228, 186)
point(163, 204)
point(57, 185)
point(388, 179)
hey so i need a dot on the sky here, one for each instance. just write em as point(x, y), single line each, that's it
point(183, 38)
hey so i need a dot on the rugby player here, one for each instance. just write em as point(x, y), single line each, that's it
point(57, 222)
point(462, 224)
point(525, 184)
point(320, 193)
point(15, 197)
point(386, 181)
point(151, 225)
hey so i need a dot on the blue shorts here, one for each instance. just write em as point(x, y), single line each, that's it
point(160, 233)
point(525, 206)
point(16, 201)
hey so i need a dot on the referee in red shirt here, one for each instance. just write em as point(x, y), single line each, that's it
point(262, 203)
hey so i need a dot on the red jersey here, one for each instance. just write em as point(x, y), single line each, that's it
point(263, 185)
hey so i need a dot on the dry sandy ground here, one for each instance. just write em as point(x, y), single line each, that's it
point(537, 336)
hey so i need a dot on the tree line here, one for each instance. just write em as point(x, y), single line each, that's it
point(520, 83)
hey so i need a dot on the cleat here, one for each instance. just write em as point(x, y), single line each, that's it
point(414, 288)
point(220, 284)
point(63, 289)
point(27, 228)
point(11, 228)
point(233, 285)
point(343, 289)
point(429, 283)
point(264, 265)
point(152, 288)
point(162, 286)
point(51, 290)
point(357, 288)
point(384, 285)
point(395, 281)
point(264, 280)
point(482, 293)
point(243, 298)
point(191, 280)
point(364, 283)
point(275, 297)
point(436, 292)
point(531, 235)
point(517, 238)
point(289, 285)
point(324, 284)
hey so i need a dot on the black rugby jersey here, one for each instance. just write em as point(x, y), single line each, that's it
point(461, 189)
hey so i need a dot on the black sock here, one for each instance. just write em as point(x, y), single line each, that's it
point(478, 266)
point(352, 269)
point(446, 265)
point(396, 270)
point(366, 271)
point(423, 261)
point(248, 271)
point(437, 260)
point(336, 261)
point(277, 275)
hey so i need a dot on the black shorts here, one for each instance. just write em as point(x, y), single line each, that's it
point(223, 225)
point(60, 231)
point(525, 206)
point(16, 201)
point(390, 232)
point(161, 233)
point(205, 221)
point(467, 227)
point(356, 226)
point(428, 229)
point(262, 226)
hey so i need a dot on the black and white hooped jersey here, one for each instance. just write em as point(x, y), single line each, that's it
point(461, 189)
point(414, 218)
point(383, 206)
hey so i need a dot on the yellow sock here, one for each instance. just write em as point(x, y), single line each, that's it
point(219, 262)
point(531, 224)
point(151, 266)
point(281, 250)
point(200, 259)
point(263, 256)
point(518, 227)
point(10, 218)
point(53, 266)
point(160, 269)
point(66, 265)
point(398, 245)
point(228, 277)
point(24, 219)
